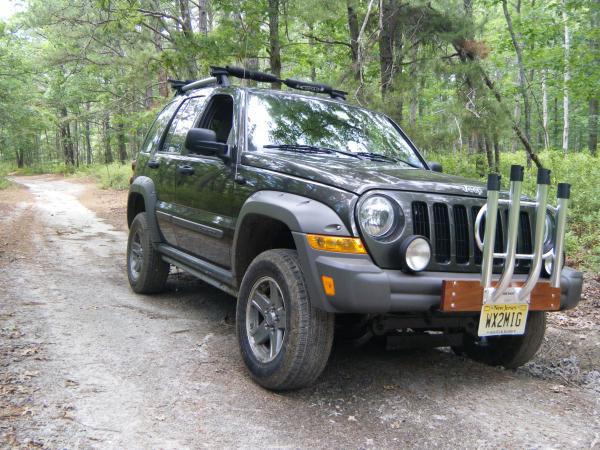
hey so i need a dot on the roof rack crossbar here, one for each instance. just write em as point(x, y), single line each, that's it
point(180, 87)
point(221, 74)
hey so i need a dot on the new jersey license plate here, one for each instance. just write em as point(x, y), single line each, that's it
point(503, 319)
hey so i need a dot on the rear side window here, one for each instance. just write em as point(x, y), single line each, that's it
point(158, 127)
point(182, 122)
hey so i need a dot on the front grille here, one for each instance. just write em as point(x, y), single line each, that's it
point(452, 236)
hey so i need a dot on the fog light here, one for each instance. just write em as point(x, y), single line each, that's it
point(415, 254)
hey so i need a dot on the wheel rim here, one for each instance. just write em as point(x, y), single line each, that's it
point(266, 319)
point(136, 256)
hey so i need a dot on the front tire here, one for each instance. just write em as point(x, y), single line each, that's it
point(284, 341)
point(146, 270)
point(508, 351)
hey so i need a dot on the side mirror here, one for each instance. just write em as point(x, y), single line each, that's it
point(435, 166)
point(203, 141)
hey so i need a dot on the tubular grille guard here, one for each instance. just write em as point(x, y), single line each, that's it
point(490, 210)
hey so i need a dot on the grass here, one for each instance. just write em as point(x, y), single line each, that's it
point(109, 176)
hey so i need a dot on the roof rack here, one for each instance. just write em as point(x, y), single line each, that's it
point(220, 76)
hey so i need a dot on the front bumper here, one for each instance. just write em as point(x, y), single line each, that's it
point(362, 287)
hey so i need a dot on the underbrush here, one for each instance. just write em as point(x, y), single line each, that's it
point(581, 170)
point(109, 176)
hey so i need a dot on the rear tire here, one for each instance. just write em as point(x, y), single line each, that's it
point(146, 270)
point(284, 341)
point(508, 351)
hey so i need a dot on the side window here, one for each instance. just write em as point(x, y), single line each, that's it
point(183, 121)
point(219, 117)
point(158, 127)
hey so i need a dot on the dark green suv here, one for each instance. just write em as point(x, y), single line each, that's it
point(317, 214)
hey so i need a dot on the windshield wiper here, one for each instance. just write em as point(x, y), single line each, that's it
point(308, 149)
point(382, 157)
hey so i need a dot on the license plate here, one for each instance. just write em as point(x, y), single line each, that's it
point(503, 319)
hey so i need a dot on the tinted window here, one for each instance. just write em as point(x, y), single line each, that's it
point(290, 120)
point(183, 121)
point(158, 127)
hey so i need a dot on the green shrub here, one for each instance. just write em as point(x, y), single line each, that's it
point(5, 169)
point(581, 170)
point(109, 176)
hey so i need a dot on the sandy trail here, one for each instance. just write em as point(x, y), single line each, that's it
point(85, 362)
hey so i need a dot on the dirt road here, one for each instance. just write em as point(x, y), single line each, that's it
point(85, 363)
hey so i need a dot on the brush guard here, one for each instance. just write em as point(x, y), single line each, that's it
point(503, 291)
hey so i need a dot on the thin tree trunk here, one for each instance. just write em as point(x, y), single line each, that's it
point(567, 78)
point(353, 30)
point(387, 26)
point(274, 44)
point(108, 157)
point(545, 110)
point(414, 95)
point(520, 63)
point(593, 125)
point(65, 134)
point(122, 145)
point(203, 6)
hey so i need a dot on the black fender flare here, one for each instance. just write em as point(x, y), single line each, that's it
point(144, 186)
point(301, 215)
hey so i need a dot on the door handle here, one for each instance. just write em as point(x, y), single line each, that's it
point(185, 170)
point(153, 164)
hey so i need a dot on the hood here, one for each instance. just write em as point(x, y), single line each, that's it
point(359, 176)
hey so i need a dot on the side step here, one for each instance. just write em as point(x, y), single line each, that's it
point(214, 275)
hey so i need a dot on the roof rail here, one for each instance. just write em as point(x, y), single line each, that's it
point(221, 74)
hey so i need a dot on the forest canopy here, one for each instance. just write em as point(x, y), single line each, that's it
point(81, 79)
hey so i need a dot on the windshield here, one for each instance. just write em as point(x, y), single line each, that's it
point(285, 121)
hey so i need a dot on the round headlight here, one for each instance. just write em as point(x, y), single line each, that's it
point(376, 216)
point(415, 253)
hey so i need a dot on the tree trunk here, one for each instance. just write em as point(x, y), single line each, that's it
point(274, 44)
point(496, 154)
point(387, 29)
point(203, 6)
point(186, 28)
point(353, 30)
point(122, 145)
point(593, 126)
point(545, 110)
point(567, 78)
point(520, 63)
point(414, 95)
point(108, 157)
point(65, 135)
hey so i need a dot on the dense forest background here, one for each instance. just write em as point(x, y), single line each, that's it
point(475, 83)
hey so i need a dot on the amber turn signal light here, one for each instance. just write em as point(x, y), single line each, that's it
point(337, 244)
point(328, 285)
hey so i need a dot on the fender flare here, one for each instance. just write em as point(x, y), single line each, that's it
point(145, 187)
point(300, 214)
